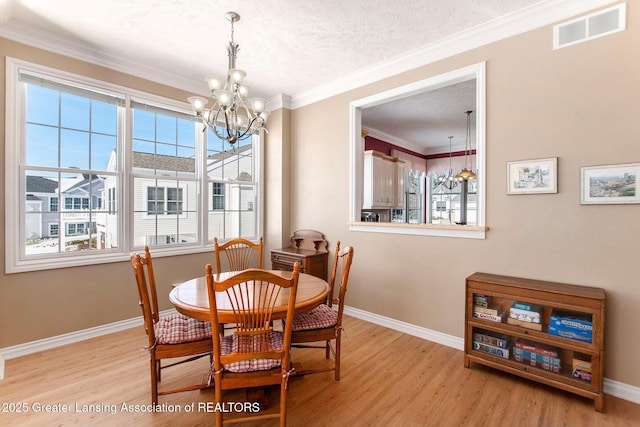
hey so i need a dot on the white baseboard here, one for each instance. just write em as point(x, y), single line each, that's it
point(611, 387)
point(32, 347)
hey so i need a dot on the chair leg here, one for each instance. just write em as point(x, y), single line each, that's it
point(218, 386)
point(328, 349)
point(283, 404)
point(337, 356)
point(154, 380)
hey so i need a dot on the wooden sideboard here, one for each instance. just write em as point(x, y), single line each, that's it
point(309, 248)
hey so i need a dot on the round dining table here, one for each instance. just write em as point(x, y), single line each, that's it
point(191, 298)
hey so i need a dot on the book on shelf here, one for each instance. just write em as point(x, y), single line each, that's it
point(527, 306)
point(548, 363)
point(538, 348)
point(494, 309)
point(528, 325)
point(491, 349)
point(525, 315)
point(492, 317)
point(480, 300)
point(491, 339)
point(571, 325)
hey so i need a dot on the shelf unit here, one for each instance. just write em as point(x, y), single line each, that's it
point(503, 292)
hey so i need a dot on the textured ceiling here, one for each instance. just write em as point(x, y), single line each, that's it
point(287, 47)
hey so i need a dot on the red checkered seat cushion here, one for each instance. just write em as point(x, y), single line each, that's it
point(230, 342)
point(320, 317)
point(177, 328)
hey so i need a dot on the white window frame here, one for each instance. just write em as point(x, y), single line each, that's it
point(15, 259)
point(356, 172)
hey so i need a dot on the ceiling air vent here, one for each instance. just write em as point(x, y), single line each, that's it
point(601, 23)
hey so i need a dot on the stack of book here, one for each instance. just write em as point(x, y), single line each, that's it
point(567, 324)
point(491, 344)
point(538, 355)
point(581, 367)
point(526, 315)
point(483, 309)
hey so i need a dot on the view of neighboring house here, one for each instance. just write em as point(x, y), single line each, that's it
point(67, 213)
point(82, 211)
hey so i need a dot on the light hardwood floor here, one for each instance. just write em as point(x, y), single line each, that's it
point(387, 379)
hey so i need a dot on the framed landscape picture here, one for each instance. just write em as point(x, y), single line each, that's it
point(532, 176)
point(610, 184)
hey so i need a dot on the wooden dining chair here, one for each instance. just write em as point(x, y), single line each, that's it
point(240, 254)
point(255, 355)
point(174, 336)
point(324, 323)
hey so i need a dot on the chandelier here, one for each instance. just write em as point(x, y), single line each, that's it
point(467, 174)
point(233, 116)
point(447, 180)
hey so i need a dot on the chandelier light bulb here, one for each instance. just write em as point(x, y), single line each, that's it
point(224, 98)
point(236, 75)
point(214, 83)
point(243, 91)
point(197, 103)
point(258, 104)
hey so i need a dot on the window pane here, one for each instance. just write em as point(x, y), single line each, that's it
point(42, 145)
point(104, 118)
point(42, 105)
point(166, 129)
point(74, 112)
point(144, 126)
point(102, 148)
point(74, 149)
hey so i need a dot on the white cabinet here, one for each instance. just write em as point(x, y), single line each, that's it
point(400, 172)
point(383, 181)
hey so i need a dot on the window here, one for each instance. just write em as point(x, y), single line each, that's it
point(159, 197)
point(87, 186)
point(75, 229)
point(397, 99)
point(174, 201)
point(155, 200)
point(218, 196)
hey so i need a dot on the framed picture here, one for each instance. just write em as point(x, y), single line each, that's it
point(532, 176)
point(611, 184)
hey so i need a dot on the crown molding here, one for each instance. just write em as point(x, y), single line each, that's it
point(279, 101)
point(516, 23)
point(22, 33)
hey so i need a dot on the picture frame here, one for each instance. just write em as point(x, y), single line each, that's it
point(609, 184)
point(536, 176)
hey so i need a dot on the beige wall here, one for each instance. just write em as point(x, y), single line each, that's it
point(580, 104)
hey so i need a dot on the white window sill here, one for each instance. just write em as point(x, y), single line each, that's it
point(461, 231)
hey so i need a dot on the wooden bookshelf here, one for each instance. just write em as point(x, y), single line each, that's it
point(584, 303)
